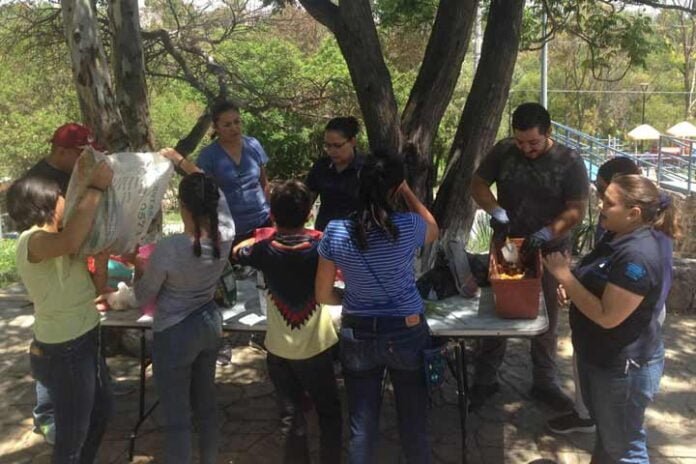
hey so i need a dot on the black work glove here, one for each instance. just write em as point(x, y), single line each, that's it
point(533, 244)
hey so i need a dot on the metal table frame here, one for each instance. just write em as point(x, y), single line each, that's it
point(455, 318)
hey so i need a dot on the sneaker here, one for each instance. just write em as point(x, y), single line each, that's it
point(479, 393)
point(569, 423)
point(553, 397)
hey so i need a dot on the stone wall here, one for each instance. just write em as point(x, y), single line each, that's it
point(682, 297)
point(686, 247)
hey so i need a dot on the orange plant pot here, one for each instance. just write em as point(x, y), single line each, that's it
point(515, 298)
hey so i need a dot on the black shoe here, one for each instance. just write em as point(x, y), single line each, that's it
point(569, 423)
point(553, 397)
point(479, 393)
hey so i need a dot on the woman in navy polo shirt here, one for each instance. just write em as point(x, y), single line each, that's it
point(382, 324)
point(616, 299)
point(236, 162)
point(334, 178)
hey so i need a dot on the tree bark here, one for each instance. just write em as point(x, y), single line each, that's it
point(129, 73)
point(478, 125)
point(91, 74)
point(433, 89)
point(353, 26)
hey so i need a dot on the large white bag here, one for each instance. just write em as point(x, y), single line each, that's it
point(128, 206)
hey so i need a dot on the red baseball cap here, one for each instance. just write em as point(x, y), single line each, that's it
point(73, 135)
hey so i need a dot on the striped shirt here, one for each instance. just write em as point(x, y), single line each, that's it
point(380, 280)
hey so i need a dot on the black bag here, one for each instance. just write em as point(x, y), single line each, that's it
point(438, 280)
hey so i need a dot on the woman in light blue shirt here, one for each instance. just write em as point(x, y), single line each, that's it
point(236, 162)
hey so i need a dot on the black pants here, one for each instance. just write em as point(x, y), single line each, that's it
point(291, 378)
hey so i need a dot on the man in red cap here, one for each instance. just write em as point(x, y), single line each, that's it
point(66, 146)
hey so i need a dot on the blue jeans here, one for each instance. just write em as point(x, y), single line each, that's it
point(76, 377)
point(43, 411)
point(365, 354)
point(315, 375)
point(616, 399)
point(183, 364)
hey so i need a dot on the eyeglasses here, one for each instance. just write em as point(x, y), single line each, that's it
point(334, 145)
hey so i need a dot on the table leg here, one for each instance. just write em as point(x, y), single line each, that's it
point(462, 393)
point(142, 414)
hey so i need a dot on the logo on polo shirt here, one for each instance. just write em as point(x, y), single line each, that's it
point(635, 272)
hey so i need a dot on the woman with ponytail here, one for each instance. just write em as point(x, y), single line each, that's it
point(617, 293)
point(382, 324)
point(182, 273)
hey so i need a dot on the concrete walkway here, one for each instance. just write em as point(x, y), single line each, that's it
point(508, 430)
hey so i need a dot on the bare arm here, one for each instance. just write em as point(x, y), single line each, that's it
point(179, 160)
point(101, 271)
point(324, 290)
point(263, 180)
point(45, 245)
point(608, 312)
point(415, 206)
point(482, 195)
point(573, 215)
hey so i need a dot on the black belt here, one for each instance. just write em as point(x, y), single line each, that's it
point(382, 323)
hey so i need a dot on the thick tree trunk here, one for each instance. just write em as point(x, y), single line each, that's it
point(353, 26)
point(91, 74)
point(129, 73)
point(433, 89)
point(478, 126)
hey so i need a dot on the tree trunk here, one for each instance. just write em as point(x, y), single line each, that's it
point(433, 89)
point(129, 73)
point(354, 28)
point(91, 74)
point(478, 126)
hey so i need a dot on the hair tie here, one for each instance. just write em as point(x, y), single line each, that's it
point(665, 201)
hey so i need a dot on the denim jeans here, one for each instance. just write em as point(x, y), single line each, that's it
point(76, 377)
point(43, 411)
point(291, 378)
point(183, 364)
point(491, 351)
point(616, 398)
point(365, 354)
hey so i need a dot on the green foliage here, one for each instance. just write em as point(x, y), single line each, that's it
point(8, 268)
point(412, 14)
point(480, 235)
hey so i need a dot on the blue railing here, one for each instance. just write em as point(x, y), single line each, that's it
point(671, 166)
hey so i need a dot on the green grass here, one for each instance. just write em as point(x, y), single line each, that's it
point(8, 268)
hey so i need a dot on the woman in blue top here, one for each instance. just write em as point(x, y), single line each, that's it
point(382, 325)
point(617, 293)
point(236, 162)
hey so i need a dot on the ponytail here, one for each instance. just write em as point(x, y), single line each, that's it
point(199, 194)
point(667, 217)
point(382, 173)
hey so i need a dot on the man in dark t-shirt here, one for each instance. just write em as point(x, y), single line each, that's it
point(542, 188)
point(66, 146)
